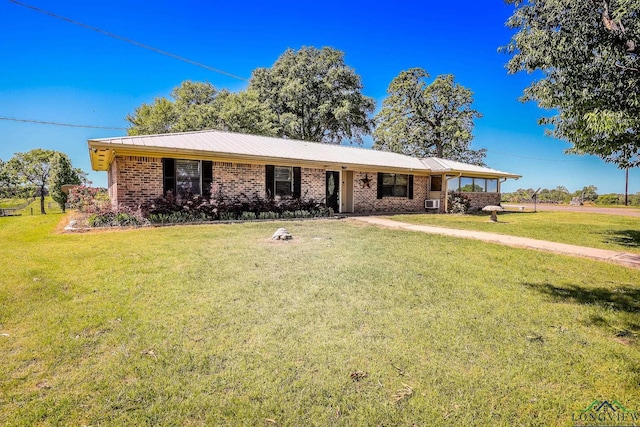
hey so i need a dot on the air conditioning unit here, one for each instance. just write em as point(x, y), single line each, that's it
point(432, 204)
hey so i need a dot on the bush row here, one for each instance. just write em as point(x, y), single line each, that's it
point(168, 210)
point(165, 210)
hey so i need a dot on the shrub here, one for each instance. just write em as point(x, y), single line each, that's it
point(247, 216)
point(164, 210)
point(121, 217)
point(458, 203)
point(88, 199)
point(608, 199)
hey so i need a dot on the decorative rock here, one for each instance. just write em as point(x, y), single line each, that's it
point(72, 225)
point(281, 234)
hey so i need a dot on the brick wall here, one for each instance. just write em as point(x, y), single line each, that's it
point(480, 200)
point(236, 178)
point(232, 179)
point(313, 184)
point(135, 180)
point(365, 198)
point(113, 182)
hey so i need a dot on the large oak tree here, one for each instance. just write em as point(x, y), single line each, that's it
point(200, 106)
point(587, 52)
point(425, 120)
point(315, 96)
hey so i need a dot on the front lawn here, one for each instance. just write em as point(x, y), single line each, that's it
point(346, 325)
point(613, 232)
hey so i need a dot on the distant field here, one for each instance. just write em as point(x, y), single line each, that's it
point(346, 325)
point(613, 232)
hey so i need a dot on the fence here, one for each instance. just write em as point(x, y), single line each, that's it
point(23, 208)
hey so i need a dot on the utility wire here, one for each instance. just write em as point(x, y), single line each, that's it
point(13, 119)
point(142, 45)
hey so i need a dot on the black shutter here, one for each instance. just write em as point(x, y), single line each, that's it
point(168, 176)
point(380, 185)
point(207, 177)
point(270, 179)
point(297, 182)
point(410, 186)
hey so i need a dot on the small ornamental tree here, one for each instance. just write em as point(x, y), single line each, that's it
point(61, 173)
point(31, 170)
point(88, 199)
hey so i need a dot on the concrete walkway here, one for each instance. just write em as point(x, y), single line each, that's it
point(621, 258)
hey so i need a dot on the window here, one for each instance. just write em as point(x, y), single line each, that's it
point(473, 184)
point(187, 177)
point(466, 184)
point(436, 183)
point(453, 184)
point(395, 185)
point(282, 181)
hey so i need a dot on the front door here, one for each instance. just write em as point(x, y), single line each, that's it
point(333, 190)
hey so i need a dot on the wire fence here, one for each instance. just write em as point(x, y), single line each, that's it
point(28, 207)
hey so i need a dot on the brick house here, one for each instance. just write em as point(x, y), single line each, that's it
point(348, 179)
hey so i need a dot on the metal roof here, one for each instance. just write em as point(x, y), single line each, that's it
point(228, 145)
point(436, 164)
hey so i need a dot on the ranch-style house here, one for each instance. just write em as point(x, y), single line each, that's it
point(348, 179)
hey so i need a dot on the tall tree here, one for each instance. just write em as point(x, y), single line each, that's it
point(426, 120)
point(315, 96)
point(61, 173)
point(589, 55)
point(32, 170)
point(199, 106)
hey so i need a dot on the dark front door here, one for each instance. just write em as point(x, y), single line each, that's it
point(333, 190)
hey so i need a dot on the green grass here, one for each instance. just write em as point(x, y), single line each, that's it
point(614, 232)
point(347, 325)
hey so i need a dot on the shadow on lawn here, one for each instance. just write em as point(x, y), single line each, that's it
point(622, 298)
point(630, 238)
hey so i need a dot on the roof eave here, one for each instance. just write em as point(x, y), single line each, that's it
point(102, 155)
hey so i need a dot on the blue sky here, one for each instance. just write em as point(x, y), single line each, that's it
point(59, 72)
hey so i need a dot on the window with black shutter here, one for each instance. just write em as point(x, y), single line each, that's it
point(283, 181)
point(186, 178)
point(395, 185)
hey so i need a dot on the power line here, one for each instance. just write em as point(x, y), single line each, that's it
point(142, 45)
point(13, 119)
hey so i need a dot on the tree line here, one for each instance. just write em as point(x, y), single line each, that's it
point(312, 95)
point(560, 194)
